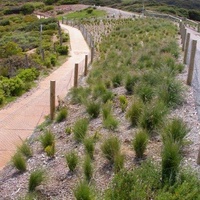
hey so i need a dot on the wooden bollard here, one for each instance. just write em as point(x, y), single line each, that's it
point(184, 36)
point(198, 157)
point(76, 76)
point(86, 65)
point(52, 99)
point(62, 20)
point(191, 65)
point(92, 53)
point(186, 48)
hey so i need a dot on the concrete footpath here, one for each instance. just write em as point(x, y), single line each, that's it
point(19, 119)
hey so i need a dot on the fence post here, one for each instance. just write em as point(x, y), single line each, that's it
point(52, 99)
point(191, 65)
point(92, 53)
point(198, 27)
point(62, 20)
point(86, 65)
point(198, 158)
point(186, 48)
point(76, 76)
point(184, 36)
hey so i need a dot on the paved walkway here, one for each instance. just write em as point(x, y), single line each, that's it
point(18, 120)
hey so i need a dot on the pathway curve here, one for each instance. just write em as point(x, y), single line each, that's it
point(19, 119)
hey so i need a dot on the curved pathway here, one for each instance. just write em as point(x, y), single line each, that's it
point(19, 119)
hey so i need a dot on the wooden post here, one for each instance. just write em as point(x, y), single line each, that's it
point(76, 76)
point(86, 65)
point(92, 53)
point(186, 48)
point(52, 99)
point(198, 27)
point(62, 20)
point(191, 65)
point(184, 36)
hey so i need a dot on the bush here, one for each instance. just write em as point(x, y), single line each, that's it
point(108, 95)
point(72, 160)
point(27, 9)
point(89, 146)
point(87, 168)
point(130, 83)
point(83, 192)
point(80, 129)
point(25, 149)
point(63, 50)
point(50, 150)
point(135, 111)
point(79, 95)
point(170, 162)
point(152, 116)
point(110, 148)
point(123, 102)
point(62, 115)
point(93, 109)
point(175, 131)
point(47, 139)
point(36, 178)
point(140, 143)
point(19, 162)
point(28, 75)
point(2, 98)
point(110, 122)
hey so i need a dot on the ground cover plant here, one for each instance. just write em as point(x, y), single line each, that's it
point(96, 162)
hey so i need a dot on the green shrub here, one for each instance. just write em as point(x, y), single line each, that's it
point(50, 150)
point(79, 95)
point(108, 95)
point(2, 98)
point(130, 83)
point(99, 90)
point(25, 149)
point(47, 139)
point(68, 130)
point(110, 148)
point(170, 162)
point(134, 112)
point(118, 162)
point(19, 162)
point(83, 192)
point(72, 160)
point(140, 143)
point(110, 122)
point(63, 50)
point(27, 9)
point(87, 168)
point(123, 102)
point(28, 75)
point(175, 131)
point(93, 109)
point(117, 80)
point(106, 110)
point(36, 178)
point(62, 115)
point(89, 146)
point(80, 129)
point(152, 116)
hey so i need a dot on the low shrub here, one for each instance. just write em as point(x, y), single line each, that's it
point(83, 191)
point(88, 168)
point(36, 178)
point(106, 110)
point(47, 139)
point(72, 160)
point(68, 130)
point(107, 96)
point(89, 146)
point(79, 95)
point(110, 148)
point(63, 50)
point(19, 162)
point(50, 150)
point(130, 83)
point(123, 102)
point(110, 122)
point(140, 143)
point(62, 115)
point(134, 112)
point(93, 109)
point(80, 129)
point(117, 80)
point(25, 149)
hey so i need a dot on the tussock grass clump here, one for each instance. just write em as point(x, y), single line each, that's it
point(19, 162)
point(80, 129)
point(107, 109)
point(79, 95)
point(89, 144)
point(47, 139)
point(93, 109)
point(175, 131)
point(72, 160)
point(134, 112)
point(36, 178)
point(83, 191)
point(140, 143)
point(130, 83)
point(123, 102)
point(62, 115)
point(110, 148)
point(88, 168)
point(171, 159)
point(25, 149)
point(117, 80)
point(152, 116)
point(110, 122)
point(50, 150)
point(108, 95)
point(118, 162)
